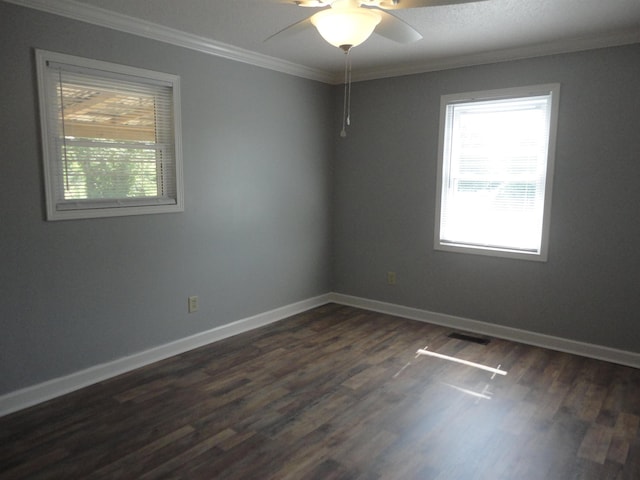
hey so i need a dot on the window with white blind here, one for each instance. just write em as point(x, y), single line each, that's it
point(111, 138)
point(495, 171)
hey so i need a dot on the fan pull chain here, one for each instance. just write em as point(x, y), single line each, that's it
point(349, 101)
point(346, 105)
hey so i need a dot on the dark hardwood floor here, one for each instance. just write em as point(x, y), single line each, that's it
point(339, 393)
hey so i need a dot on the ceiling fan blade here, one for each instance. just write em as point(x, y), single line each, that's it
point(292, 29)
point(395, 29)
point(400, 4)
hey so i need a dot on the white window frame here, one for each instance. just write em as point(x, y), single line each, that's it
point(444, 152)
point(59, 209)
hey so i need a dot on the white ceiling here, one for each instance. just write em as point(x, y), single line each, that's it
point(454, 35)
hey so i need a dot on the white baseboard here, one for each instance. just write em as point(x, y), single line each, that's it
point(56, 387)
point(599, 352)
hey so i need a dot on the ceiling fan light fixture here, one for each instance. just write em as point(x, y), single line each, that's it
point(345, 27)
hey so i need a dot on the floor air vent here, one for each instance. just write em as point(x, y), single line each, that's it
point(469, 338)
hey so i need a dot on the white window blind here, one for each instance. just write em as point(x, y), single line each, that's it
point(110, 135)
point(494, 193)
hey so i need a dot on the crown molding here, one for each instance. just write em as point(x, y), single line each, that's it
point(614, 39)
point(117, 21)
point(123, 23)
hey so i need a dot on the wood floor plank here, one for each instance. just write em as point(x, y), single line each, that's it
point(135, 462)
point(595, 444)
point(618, 449)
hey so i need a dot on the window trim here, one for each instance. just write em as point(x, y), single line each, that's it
point(552, 89)
point(68, 210)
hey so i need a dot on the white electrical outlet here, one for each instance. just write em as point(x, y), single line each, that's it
point(193, 304)
point(391, 278)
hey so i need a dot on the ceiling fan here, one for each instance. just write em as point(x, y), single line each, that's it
point(348, 23)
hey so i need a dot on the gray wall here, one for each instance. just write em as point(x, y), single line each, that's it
point(255, 234)
point(265, 174)
point(385, 178)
